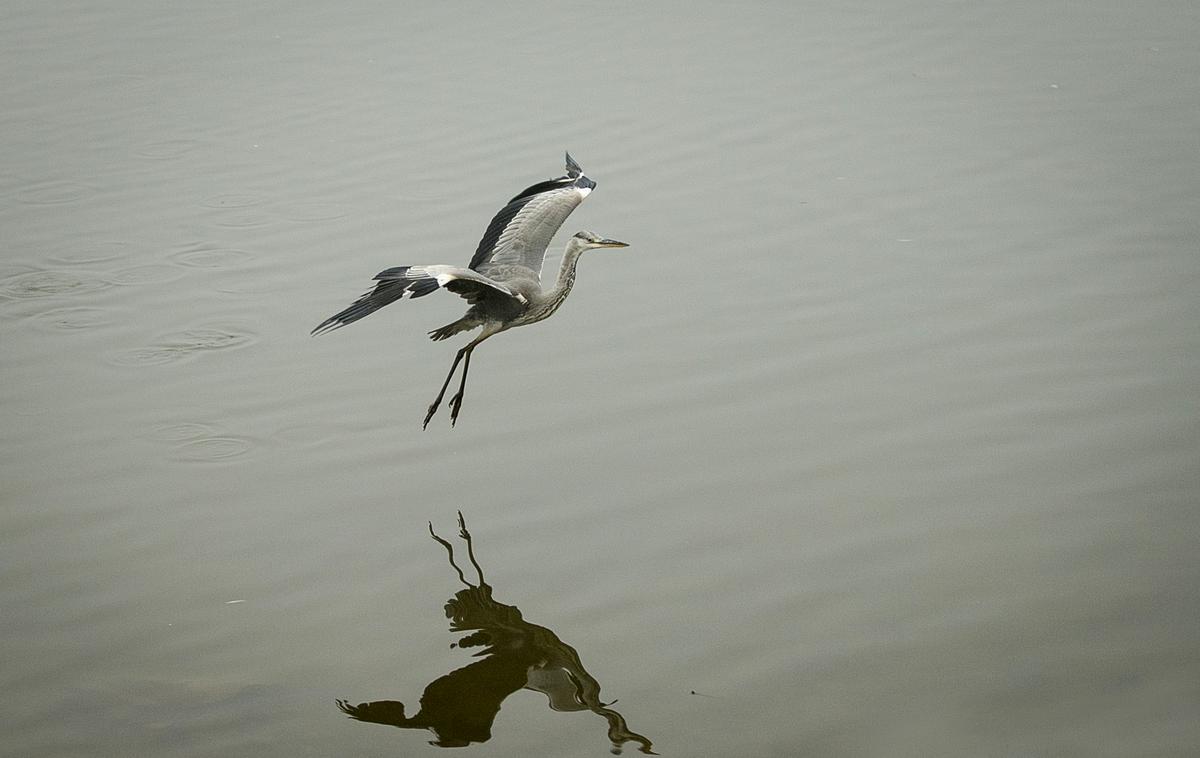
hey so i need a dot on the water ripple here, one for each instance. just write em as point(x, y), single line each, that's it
point(167, 149)
point(181, 431)
point(244, 219)
point(181, 346)
point(212, 449)
point(147, 273)
point(251, 286)
point(55, 193)
point(73, 319)
point(100, 253)
point(49, 283)
point(116, 83)
point(29, 410)
point(200, 256)
point(315, 212)
point(231, 200)
point(210, 338)
point(154, 355)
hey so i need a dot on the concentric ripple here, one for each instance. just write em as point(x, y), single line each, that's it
point(73, 319)
point(154, 355)
point(181, 346)
point(147, 273)
point(209, 338)
point(167, 149)
point(244, 218)
point(98, 253)
point(212, 449)
point(49, 283)
point(181, 431)
point(55, 193)
point(314, 212)
point(231, 200)
point(210, 257)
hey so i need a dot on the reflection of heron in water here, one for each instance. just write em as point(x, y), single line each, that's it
point(459, 707)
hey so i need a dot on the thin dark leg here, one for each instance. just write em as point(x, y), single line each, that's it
point(456, 401)
point(462, 532)
point(450, 550)
point(438, 400)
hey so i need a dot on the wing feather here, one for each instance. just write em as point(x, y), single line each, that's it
point(415, 281)
point(513, 248)
point(521, 231)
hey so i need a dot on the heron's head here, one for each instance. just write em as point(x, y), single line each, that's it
point(589, 240)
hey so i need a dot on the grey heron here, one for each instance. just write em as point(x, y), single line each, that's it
point(502, 283)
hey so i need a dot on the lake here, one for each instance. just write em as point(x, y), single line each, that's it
point(881, 438)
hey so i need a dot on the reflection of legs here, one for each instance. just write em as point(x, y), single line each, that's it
point(450, 550)
point(462, 532)
point(438, 400)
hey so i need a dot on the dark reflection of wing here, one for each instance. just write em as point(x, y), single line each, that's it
point(513, 654)
point(458, 708)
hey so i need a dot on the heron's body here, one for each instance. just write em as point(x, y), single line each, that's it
point(503, 280)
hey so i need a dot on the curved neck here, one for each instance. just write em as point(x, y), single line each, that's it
point(566, 279)
point(566, 271)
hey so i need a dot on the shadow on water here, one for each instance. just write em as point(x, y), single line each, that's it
point(459, 708)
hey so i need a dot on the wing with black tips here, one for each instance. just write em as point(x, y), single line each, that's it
point(414, 281)
point(520, 233)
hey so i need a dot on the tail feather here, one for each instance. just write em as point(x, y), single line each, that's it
point(393, 284)
point(468, 321)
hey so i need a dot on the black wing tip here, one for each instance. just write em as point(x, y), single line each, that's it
point(395, 272)
point(573, 169)
point(392, 286)
point(537, 189)
point(328, 325)
point(573, 176)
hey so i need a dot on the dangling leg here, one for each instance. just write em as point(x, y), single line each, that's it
point(463, 355)
point(438, 400)
point(456, 401)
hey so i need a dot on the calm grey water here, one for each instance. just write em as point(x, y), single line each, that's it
point(882, 438)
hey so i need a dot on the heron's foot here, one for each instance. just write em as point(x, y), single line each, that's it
point(455, 406)
point(429, 414)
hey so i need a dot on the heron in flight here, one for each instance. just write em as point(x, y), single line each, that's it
point(502, 282)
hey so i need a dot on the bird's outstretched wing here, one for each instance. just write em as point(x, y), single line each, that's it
point(415, 281)
point(521, 231)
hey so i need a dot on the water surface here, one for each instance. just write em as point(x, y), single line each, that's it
point(880, 439)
